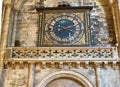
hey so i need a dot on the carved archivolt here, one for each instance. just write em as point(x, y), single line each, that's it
point(66, 73)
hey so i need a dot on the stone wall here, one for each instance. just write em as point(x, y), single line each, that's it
point(34, 76)
point(102, 30)
point(27, 30)
point(101, 19)
point(27, 25)
point(16, 77)
point(109, 77)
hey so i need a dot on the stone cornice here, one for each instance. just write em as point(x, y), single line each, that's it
point(60, 63)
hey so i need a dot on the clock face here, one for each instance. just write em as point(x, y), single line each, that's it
point(64, 29)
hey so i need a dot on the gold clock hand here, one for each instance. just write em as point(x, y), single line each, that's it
point(64, 28)
point(71, 26)
point(61, 28)
point(68, 29)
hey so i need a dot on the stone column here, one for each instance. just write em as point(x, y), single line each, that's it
point(31, 73)
point(2, 7)
point(116, 18)
point(5, 27)
point(97, 75)
point(14, 27)
point(119, 5)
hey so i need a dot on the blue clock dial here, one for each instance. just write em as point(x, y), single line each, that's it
point(64, 29)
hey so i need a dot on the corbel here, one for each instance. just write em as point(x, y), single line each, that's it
point(97, 65)
point(114, 64)
point(105, 63)
point(77, 65)
point(70, 65)
point(22, 65)
point(6, 65)
point(86, 64)
point(52, 65)
point(60, 65)
point(43, 65)
point(13, 64)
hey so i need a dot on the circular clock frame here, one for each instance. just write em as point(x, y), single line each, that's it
point(64, 29)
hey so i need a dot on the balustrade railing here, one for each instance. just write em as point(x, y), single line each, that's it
point(59, 52)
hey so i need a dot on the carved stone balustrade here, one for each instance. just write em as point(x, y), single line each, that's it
point(58, 57)
point(61, 53)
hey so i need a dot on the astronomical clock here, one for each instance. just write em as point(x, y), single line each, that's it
point(64, 26)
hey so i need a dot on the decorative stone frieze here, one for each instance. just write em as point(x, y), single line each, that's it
point(58, 64)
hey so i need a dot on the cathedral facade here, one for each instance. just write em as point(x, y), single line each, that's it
point(63, 43)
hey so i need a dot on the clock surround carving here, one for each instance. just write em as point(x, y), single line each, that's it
point(64, 26)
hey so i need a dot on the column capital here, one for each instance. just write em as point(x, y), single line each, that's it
point(16, 11)
point(7, 2)
point(97, 64)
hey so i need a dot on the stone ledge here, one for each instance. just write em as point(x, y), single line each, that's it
point(60, 63)
point(62, 59)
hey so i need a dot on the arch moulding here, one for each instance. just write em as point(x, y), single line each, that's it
point(67, 74)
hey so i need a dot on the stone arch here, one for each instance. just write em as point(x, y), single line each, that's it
point(68, 74)
point(107, 8)
point(17, 4)
point(22, 8)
